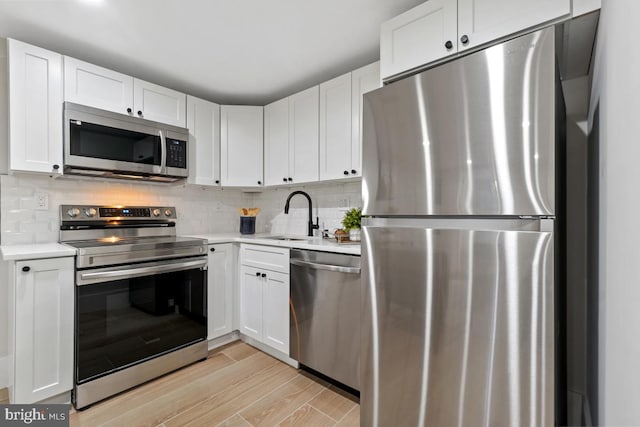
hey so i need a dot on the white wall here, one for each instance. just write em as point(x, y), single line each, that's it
point(617, 82)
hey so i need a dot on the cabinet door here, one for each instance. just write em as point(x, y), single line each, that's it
point(44, 295)
point(335, 128)
point(481, 21)
point(220, 290)
point(251, 290)
point(303, 135)
point(363, 80)
point(159, 103)
point(35, 103)
point(98, 87)
point(275, 314)
point(241, 145)
point(203, 121)
point(276, 143)
point(418, 36)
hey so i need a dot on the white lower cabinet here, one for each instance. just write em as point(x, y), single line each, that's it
point(220, 290)
point(41, 300)
point(264, 295)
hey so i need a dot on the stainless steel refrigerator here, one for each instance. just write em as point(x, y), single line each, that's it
point(462, 254)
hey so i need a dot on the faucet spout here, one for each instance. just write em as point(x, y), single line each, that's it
point(312, 226)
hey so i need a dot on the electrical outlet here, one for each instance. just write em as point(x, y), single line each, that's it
point(42, 201)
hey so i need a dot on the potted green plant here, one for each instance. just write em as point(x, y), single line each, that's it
point(351, 223)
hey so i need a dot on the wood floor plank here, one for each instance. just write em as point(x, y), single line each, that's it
point(133, 399)
point(188, 395)
point(280, 403)
point(333, 403)
point(223, 405)
point(352, 419)
point(235, 421)
point(239, 351)
point(307, 416)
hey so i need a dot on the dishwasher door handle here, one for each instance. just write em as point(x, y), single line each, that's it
point(327, 267)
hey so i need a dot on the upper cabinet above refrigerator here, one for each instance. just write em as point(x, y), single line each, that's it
point(475, 136)
point(440, 28)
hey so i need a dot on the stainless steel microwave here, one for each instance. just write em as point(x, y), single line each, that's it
point(112, 145)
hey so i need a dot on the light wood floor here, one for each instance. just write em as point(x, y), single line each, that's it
point(236, 386)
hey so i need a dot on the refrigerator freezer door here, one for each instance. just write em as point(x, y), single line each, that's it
point(475, 136)
point(457, 327)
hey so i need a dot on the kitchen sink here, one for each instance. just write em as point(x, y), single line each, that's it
point(285, 238)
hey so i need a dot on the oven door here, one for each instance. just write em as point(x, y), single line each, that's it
point(126, 315)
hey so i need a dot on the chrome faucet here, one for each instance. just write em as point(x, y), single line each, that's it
point(312, 226)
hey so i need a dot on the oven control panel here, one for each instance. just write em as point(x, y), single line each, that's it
point(106, 213)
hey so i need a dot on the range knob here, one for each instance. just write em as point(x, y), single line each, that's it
point(73, 212)
point(168, 212)
point(156, 212)
point(90, 212)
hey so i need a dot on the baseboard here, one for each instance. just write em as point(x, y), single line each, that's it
point(223, 340)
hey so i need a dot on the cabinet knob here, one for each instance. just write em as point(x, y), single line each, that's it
point(448, 44)
point(140, 113)
point(290, 179)
point(346, 172)
point(353, 171)
point(464, 39)
point(129, 110)
point(26, 268)
point(284, 179)
point(263, 275)
point(212, 249)
point(56, 167)
point(257, 274)
point(217, 181)
point(259, 182)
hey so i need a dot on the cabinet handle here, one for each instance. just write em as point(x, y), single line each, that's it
point(257, 274)
point(56, 167)
point(284, 179)
point(290, 179)
point(217, 181)
point(212, 249)
point(353, 171)
point(464, 39)
point(263, 275)
point(140, 113)
point(129, 110)
point(26, 268)
point(346, 172)
point(448, 44)
point(259, 182)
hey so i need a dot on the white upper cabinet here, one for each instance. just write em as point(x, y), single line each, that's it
point(481, 21)
point(159, 103)
point(335, 128)
point(418, 36)
point(363, 80)
point(303, 135)
point(203, 121)
point(98, 87)
point(241, 135)
point(276, 143)
point(35, 105)
point(439, 28)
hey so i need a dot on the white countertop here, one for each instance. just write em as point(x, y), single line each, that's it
point(35, 251)
point(311, 243)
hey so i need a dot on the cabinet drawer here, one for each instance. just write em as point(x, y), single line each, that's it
point(266, 257)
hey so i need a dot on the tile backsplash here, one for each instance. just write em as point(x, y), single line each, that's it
point(200, 210)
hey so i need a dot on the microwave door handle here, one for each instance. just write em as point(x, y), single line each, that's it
point(163, 152)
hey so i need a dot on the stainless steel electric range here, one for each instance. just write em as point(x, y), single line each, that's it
point(140, 297)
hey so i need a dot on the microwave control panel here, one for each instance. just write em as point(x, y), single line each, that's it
point(176, 153)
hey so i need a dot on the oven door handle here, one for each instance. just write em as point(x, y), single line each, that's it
point(327, 267)
point(125, 273)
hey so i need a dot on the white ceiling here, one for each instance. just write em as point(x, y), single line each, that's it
point(228, 51)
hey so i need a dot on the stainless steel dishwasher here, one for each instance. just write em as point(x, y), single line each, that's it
point(325, 314)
